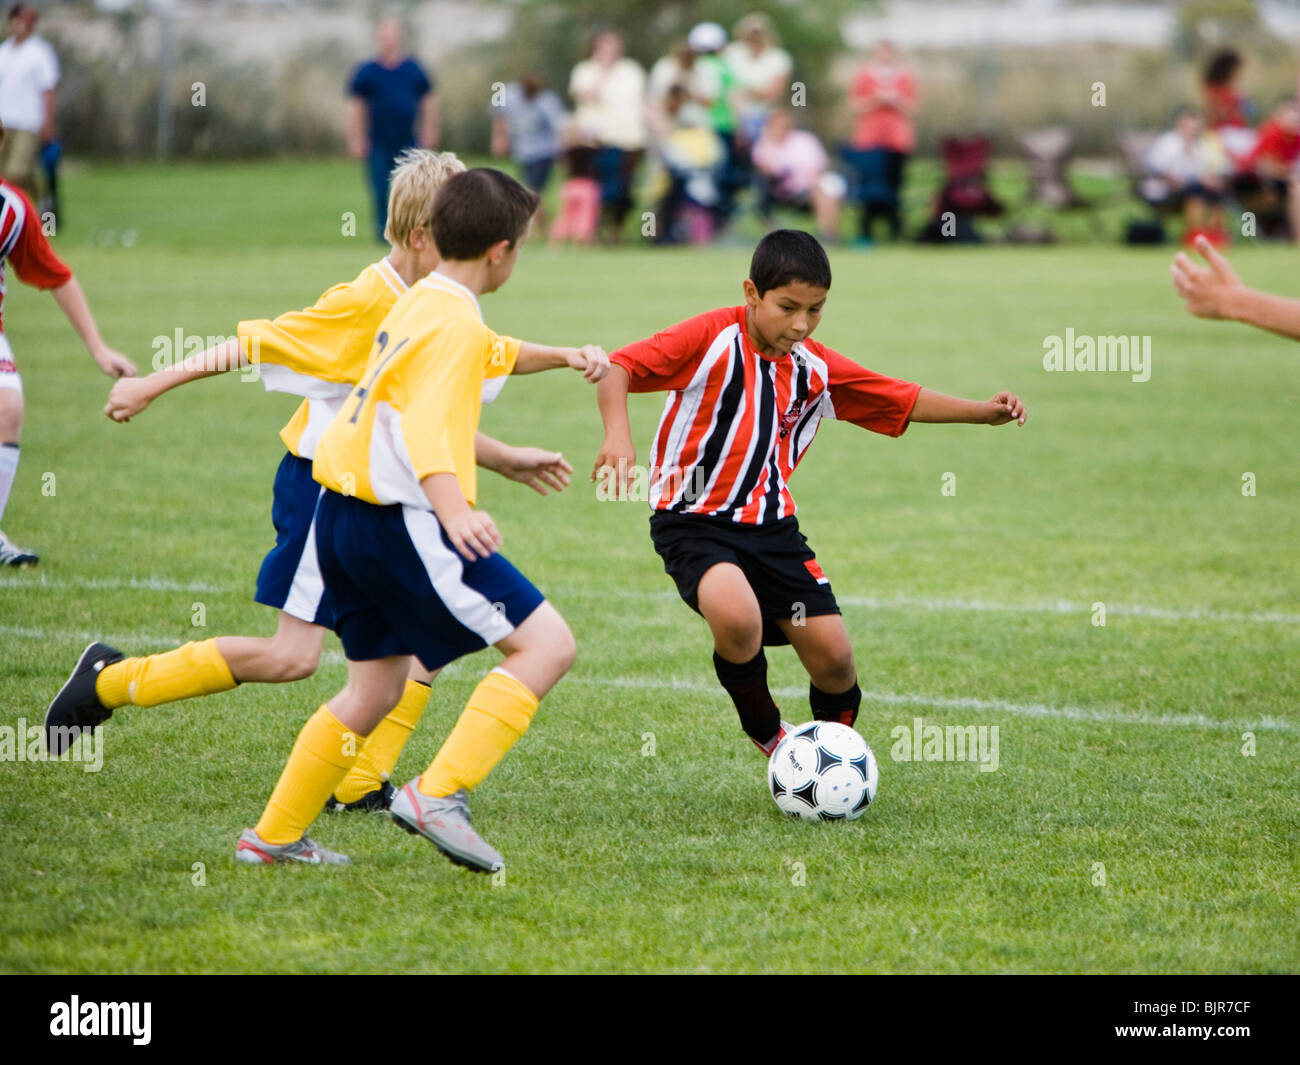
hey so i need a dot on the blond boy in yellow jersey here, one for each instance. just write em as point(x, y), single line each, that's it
point(317, 353)
point(410, 566)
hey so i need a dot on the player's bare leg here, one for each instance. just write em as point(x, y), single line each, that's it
point(293, 653)
point(822, 644)
point(731, 609)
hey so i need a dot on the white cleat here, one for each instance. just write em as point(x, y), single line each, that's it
point(445, 823)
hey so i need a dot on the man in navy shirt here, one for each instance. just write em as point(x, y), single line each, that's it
point(390, 99)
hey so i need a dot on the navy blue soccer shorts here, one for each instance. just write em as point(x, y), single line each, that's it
point(290, 578)
point(398, 586)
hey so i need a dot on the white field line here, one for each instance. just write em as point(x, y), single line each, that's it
point(1000, 706)
point(333, 657)
point(901, 602)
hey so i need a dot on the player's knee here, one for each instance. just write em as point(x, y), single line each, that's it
point(288, 664)
point(563, 648)
point(738, 631)
point(835, 669)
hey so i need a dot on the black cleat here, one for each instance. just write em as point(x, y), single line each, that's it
point(13, 555)
point(378, 800)
point(77, 709)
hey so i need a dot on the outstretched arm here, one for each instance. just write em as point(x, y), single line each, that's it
point(936, 407)
point(131, 396)
point(527, 465)
point(1215, 291)
point(590, 359)
point(72, 302)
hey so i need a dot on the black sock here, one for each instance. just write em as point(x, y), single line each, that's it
point(746, 683)
point(841, 707)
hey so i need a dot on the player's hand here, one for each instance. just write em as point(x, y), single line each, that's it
point(1004, 407)
point(591, 360)
point(127, 398)
point(537, 469)
point(114, 363)
point(615, 459)
point(474, 534)
point(1207, 291)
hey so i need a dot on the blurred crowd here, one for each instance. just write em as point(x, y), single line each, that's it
point(1223, 151)
point(711, 129)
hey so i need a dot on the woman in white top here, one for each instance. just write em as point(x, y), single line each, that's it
point(762, 69)
point(608, 91)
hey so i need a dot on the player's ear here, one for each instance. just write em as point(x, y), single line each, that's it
point(752, 298)
point(499, 251)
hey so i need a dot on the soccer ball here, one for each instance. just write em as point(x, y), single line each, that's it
point(822, 771)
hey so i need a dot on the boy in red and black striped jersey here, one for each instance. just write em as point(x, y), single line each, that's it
point(747, 389)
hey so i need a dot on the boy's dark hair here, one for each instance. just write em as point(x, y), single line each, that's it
point(786, 255)
point(477, 209)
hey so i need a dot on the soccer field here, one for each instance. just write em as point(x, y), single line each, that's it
point(1142, 816)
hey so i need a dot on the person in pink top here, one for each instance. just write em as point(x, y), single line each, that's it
point(796, 173)
point(883, 100)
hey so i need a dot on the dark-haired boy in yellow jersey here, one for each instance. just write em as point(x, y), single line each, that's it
point(410, 566)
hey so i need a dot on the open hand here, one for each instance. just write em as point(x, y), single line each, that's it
point(1207, 291)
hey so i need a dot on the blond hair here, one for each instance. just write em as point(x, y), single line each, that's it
point(412, 186)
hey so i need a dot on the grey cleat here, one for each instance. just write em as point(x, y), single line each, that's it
point(254, 850)
point(445, 823)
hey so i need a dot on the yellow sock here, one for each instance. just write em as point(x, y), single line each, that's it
point(323, 753)
point(384, 746)
point(194, 669)
point(497, 714)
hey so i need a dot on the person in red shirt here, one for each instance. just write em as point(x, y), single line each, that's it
point(747, 390)
point(883, 100)
point(24, 247)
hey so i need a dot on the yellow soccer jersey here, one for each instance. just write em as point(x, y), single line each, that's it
point(319, 353)
point(416, 409)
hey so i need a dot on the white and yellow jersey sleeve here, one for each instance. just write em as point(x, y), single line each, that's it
point(416, 409)
point(319, 353)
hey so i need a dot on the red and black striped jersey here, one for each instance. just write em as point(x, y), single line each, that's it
point(23, 244)
point(735, 424)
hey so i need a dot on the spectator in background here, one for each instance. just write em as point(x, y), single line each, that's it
point(579, 213)
point(1190, 168)
point(713, 87)
point(796, 173)
point(762, 70)
point(1227, 111)
point(883, 101)
point(676, 68)
point(392, 106)
point(1269, 167)
point(529, 125)
point(689, 158)
point(29, 74)
point(609, 91)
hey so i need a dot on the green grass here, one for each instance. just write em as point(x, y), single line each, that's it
point(1119, 745)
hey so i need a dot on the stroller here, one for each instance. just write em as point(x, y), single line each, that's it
point(965, 194)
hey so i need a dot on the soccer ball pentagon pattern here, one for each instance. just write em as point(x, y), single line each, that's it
point(822, 771)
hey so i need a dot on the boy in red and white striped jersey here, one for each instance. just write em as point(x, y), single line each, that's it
point(747, 389)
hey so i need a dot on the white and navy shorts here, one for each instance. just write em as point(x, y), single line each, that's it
point(8, 368)
point(290, 579)
point(398, 586)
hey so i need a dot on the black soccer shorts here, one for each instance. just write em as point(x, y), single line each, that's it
point(774, 557)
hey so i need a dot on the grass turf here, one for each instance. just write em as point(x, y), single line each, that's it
point(1124, 830)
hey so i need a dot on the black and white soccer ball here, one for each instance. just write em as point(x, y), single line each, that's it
point(822, 771)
